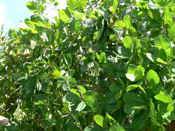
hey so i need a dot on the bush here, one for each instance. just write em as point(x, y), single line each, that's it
point(102, 65)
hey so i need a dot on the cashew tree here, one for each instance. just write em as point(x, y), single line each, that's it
point(99, 65)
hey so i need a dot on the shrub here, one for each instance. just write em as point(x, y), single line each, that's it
point(102, 65)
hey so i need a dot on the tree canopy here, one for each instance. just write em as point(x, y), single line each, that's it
point(100, 65)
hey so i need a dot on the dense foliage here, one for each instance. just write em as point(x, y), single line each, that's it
point(101, 65)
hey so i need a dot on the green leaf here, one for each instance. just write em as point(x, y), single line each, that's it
point(72, 82)
point(113, 37)
point(127, 21)
point(116, 128)
point(102, 57)
point(108, 68)
point(68, 59)
point(31, 5)
point(137, 42)
point(113, 5)
point(74, 91)
point(81, 106)
point(78, 15)
point(161, 61)
point(171, 33)
point(63, 16)
point(90, 98)
point(76, 5)
point(172, 116)
point(120, 24)
point(155, 58)
point(139, 120)
point(65, 86)
point(168, 16)
point(97, 35)
point(132, 87)
point(134, 103)
point(82, 89)
point(109, 120)
point(162, 42)
point(57, 73)
point(61, 80)
point(127, 41)
point(150, 57)
point(28, 89)
point(161, 2)
point(30, 23)
point(152, 108)
point(71, 98)
point(163, 97)
point(115, 88)
point(99, 120)
point(165, 109)
point(75, 25)
point(110, 98)
point(152, 76)
point(135, 73)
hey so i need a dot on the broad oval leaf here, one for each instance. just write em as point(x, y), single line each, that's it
point(127, 41)
point(99, 120)
point(135, 73)
point(163, 97)
point(81, 106)
point(63, 16)
point(152, 76)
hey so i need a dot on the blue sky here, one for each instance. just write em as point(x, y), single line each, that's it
point(14, 11)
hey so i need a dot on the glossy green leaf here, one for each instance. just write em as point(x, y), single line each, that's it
point(114, 4)
point(109, 120)
point(162, 42)
point(139, 120)
point(163, 97)
point(168, 16)
point(120, 24)
point(71, 98)
point(127, 41)
point(113, 37)
point(90, 98)
point(134, 103)
point(135, 73)
point(132, 87)
point(152, 76)
point(102, 57)
point(97, 35)
point(63, 16)
point(171, 32)
point(75, 25)
point(30, 23)
point(161, 61)
point(82, 89)
point(98, 65)
point(68, 59)
point(127, 21)
point(31, 6)
point(99, 120)
point(165, 109)
point(81, 106)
